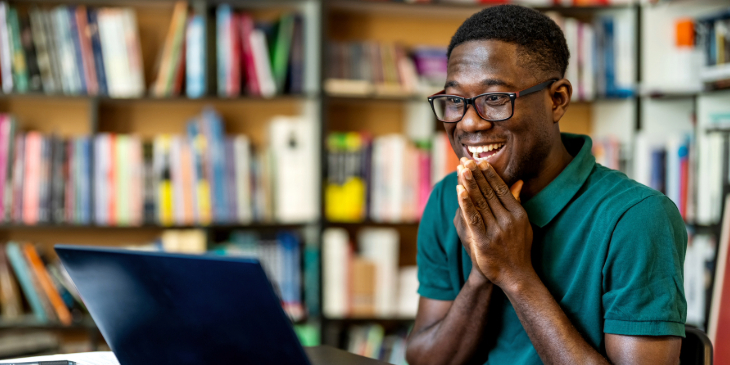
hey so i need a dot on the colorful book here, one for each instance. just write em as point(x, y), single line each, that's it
point(39, 269)
point(23, 274)
point(6, 53)
point(195, 57)
point(19, 65)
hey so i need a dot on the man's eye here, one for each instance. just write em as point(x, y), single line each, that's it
point(494, 97)
point(454, 100)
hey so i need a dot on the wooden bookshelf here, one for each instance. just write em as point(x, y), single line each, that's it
point(411, 25)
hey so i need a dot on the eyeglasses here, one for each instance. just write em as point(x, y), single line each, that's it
point(492, 107)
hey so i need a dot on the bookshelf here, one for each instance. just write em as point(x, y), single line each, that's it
point(655, 104)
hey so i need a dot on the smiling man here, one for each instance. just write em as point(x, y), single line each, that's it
point(532, 253)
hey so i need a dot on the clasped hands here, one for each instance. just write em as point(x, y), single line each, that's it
point(492, 225)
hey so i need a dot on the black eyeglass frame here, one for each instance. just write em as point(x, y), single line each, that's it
point(470, 101)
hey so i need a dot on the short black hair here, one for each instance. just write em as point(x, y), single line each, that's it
point(538, 38)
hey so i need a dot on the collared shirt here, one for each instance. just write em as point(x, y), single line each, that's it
point(609, 250)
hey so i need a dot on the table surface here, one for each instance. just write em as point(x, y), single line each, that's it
point(326, 355)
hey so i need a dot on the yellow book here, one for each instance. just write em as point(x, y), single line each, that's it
point(202, 186)
point(164, 182)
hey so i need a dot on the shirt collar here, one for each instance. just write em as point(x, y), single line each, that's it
point(551, 200)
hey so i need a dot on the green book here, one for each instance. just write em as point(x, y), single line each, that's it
point(280, 50)
point(19, 66)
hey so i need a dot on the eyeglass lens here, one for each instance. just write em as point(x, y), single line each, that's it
point(490, 107)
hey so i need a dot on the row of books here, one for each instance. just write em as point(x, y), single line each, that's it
point(368, 283)
point(386, 178)
point(182, 57)
point(45, 285)
point(713, 40)
point(280, 255)
point(384, 69)
point(70, 50)
point(667, 165)
point(527, 2)
point(259, 58)
point(601, 56)
point(199, 178)
point(371, 341)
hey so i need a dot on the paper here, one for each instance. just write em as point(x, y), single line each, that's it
point(85, 358)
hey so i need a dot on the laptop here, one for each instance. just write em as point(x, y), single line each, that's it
point(164, 308)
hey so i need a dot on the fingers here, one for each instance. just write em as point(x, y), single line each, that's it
point(502, 192)
point(462, 231)
point(470, 215)
point(468, 180)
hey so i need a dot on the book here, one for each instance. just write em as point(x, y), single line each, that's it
point(6, 54)
point(381, 247)
point(22, 272)
point(336, 257)
point(19, 64)
point(195, 63)
point(280, 49)
point(34, 260)
point(171, 55)
point(719, 323)
point(10, 301)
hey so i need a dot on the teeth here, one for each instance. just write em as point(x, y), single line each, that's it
point(476, 150)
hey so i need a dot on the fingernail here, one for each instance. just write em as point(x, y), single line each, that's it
point(470, 165)
point(467, 174)
point(460, 191)
point(458, 169)
point(463, 160)
point(483, 165)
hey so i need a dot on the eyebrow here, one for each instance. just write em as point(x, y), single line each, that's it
point(485, 82)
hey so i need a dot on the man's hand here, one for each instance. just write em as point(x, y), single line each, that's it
point(496, 231)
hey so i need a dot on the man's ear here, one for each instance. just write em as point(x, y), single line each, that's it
point(560, 93)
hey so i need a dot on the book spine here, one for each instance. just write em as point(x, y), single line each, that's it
point(32, 178)
point(64, 316)
point(19, 66)
point(41, 49)
point(195, 57)
point(6, 55)
point(85, 50)
point(223, 26)
point(18, 175)
point(22, 273)
point(93, 27)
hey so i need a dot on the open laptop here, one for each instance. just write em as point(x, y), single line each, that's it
point(163, 308)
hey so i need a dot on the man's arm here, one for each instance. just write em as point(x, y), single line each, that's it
point(449, 332)
point(501, 241)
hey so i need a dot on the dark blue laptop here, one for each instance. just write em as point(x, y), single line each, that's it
point(162, 308)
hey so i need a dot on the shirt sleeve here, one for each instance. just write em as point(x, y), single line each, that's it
point(643, 282)
point(433, 270)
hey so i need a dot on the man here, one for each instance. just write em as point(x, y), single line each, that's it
point(586, 270)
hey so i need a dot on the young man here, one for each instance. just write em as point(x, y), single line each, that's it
point(587, 269)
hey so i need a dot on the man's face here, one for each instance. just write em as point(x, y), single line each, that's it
point(523, 141)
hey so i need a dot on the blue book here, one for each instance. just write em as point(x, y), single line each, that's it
point(231, 191)
point(290, 285)
point(96, 49)
point(22, 272)
point(195, 67)
point(213, 129)
point(223, 34)
point(84, 179)
point(658, 169)
point(76, 43)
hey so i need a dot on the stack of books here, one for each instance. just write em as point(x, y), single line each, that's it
point(368, 284)
point(369, 68)
point(386, 178)
point(71, 50)
point(45, 285)
point(713, 39)
point(371, 341)
point(259, 58)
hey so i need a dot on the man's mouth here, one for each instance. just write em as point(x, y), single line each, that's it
point(485, 152)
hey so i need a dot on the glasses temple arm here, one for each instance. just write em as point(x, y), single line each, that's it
point(535, 88)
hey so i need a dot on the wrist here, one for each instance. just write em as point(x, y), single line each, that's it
point(520, 284)
point(477, 279)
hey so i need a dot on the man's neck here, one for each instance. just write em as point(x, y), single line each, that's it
point(557, 160)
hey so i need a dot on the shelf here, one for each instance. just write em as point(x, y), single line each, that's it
point(396, 319)
point(32, 324)
point(52, 226)
point(445, 10)
point(107, 99)
point(372, 223)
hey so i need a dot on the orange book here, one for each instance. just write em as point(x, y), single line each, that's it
point(64, 316)
point(186, 160)
point(451, 159)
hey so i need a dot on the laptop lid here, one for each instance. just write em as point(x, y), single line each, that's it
point(163, 308)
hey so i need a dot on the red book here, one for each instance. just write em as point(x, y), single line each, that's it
point(31, 183)
point(247, 58)
point(233, 85)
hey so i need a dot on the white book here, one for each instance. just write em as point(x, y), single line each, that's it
point(242, 151)
point(66, 51)
point(673, 175)
point(5, 55)
point(335, 261)
point(113, 51)
point(438, 157)
point(699, 251)
point(102, 170)
point(135, 79)
point(587, 71)
point(381, 246)
point(624, 56)
point(294, 143)
point(395, 174)
point(378, 181)
point(262, 63)
point(709, 179)
point(408, 292)
point(195, 57)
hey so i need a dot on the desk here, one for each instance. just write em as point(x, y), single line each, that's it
point(326, 355)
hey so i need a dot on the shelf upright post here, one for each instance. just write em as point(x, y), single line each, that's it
point(637, 64)
point(206, 9)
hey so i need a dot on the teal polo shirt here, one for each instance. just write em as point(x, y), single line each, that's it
point(609, 250)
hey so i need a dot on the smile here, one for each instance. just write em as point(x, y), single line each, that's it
point(485, 152)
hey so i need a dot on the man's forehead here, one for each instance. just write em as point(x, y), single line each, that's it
point(487, 62)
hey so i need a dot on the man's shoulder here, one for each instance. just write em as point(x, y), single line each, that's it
point(616, 193)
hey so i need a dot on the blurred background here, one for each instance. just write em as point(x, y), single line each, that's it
point(299, 132)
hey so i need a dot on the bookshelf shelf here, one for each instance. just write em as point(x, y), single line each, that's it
point(441, 10)
point(152, 226)
point(30, 324)
point(354, 320)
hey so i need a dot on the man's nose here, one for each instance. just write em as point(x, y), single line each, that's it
point(472, 122)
